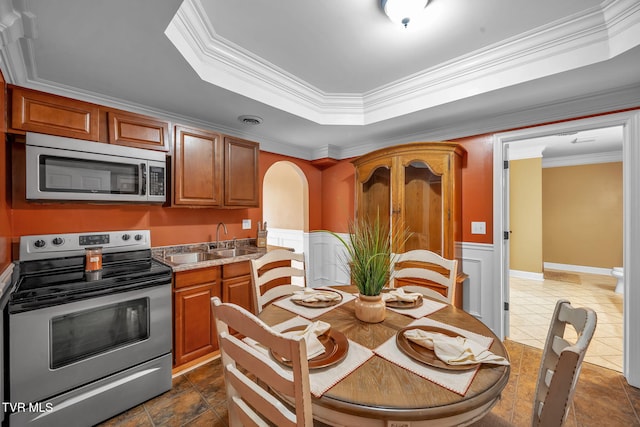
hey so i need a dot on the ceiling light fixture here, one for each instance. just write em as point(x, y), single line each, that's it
point(403, 11)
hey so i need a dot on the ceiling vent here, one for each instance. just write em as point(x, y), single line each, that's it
point(250, 120)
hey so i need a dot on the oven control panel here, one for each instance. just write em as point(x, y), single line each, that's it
point(71, 244)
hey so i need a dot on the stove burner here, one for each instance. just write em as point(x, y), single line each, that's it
point(58, 277)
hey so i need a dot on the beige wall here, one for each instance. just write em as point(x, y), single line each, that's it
point(525, 215)
point(582, 215)
point(284, 197)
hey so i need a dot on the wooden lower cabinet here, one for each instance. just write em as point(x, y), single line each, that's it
point(236, 284)
point(194, 333)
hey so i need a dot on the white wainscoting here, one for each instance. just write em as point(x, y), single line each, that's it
point(326, 253)
point(478, 297)
point(325, 268)
point(286, 238)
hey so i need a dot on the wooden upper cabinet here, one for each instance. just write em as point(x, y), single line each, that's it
point(214, 171)
point(416, 186)
point(56, 115)
point(197, 171)
point(240, 172)
point(139, 131)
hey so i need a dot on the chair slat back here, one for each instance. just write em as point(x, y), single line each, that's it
point(273, 276)
point(561, 363)
point(426, 272)
point(248, 369)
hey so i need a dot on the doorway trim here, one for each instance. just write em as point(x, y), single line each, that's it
point(631, 228)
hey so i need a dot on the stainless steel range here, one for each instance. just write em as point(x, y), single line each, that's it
point(89, 328)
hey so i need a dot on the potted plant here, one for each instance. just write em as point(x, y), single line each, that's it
point(369, 259)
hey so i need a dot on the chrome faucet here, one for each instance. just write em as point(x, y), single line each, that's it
point(218, 233)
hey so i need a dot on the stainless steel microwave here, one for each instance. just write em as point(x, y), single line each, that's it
point(59, 168)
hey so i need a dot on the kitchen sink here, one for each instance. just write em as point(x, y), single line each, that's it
point(191, 257)
point(231, 252)
point(194, 257)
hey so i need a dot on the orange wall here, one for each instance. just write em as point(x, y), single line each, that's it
point(331, 204)
point(477, 187)
point(314, 179)
point(338, 196)
point(338, 200)
point(5, 207)
point(168, 225)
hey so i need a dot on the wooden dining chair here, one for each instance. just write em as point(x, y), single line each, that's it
point(561, 363)
point(255, 383)
point(559, 368)
point(273, 276)
point(425, 272)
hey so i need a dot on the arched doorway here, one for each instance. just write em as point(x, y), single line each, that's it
point(285, 206)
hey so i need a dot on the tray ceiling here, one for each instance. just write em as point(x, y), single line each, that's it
point(331, 78)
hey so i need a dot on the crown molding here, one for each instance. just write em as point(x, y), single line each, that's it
point(582, 159)
point(595, 35)
point(602, 103)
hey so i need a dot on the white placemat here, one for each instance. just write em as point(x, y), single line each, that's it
point(321, 380)
point(428, 307)
point(456, 381)
point(309, 312)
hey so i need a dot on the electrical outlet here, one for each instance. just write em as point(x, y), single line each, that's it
point(246, 224)
point(478, 227)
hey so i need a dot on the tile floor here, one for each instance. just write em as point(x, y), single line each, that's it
point(602, 398)
point(531, 304)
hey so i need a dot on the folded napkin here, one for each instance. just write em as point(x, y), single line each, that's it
point(400, 295)
point(454, 350)
point(312, 295)
point(310, 335)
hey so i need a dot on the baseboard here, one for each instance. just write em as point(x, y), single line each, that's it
point(577, 268)
point(526, 275)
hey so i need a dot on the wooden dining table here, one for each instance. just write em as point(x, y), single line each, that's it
point(382, 393)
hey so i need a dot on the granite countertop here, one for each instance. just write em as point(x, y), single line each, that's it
point(162, 252)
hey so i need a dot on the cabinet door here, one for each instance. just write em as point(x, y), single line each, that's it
point(240, 172)
point(194, 330)
point(236, 284)
point(54, 115)
point(422, 207)
point(238, 291)
point(197, 168)
point(138, 131)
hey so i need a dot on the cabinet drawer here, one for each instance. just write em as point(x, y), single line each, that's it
point(235, 269)
point(199, 276)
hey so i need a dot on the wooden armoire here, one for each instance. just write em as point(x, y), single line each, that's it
point(416, 186)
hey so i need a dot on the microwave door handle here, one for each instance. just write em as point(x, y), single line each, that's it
point(143, 179)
